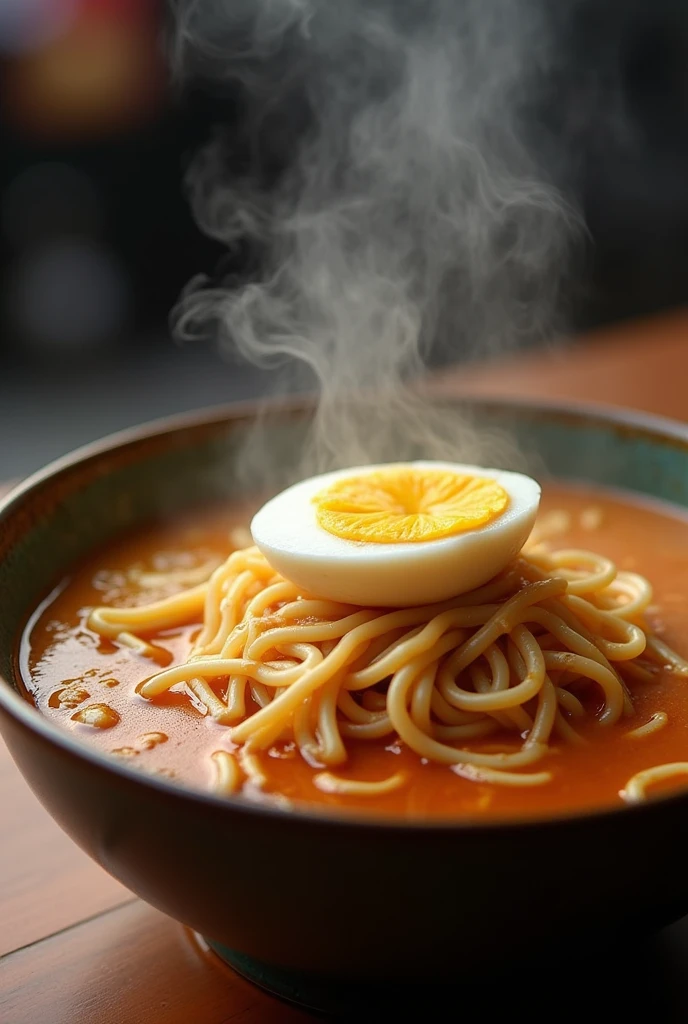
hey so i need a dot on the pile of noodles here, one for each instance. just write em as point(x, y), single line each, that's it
point(514, 660)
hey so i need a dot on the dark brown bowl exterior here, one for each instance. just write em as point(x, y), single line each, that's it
point(356, 900)
point(348, 897)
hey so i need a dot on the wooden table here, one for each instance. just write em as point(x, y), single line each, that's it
point(78, 948)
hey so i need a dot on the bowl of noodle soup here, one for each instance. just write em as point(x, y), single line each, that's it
point(287, 840)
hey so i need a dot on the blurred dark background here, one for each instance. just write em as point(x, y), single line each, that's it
point(96, 240)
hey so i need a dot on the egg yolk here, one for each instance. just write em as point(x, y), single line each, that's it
point(406, 504)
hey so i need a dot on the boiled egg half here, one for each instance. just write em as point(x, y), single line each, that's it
point(397, 535)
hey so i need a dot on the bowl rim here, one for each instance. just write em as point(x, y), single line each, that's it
point(27, 715)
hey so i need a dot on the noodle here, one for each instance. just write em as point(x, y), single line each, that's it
point(637, 786)
point(228, 774)
point(329, 783)
point(541, 649)
point(657, 721)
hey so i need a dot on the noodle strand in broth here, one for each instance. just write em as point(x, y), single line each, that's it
point(549, 643)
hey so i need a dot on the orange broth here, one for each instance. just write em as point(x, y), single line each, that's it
point(175, 738)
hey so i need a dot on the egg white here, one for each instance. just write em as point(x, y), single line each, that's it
point(363, 573)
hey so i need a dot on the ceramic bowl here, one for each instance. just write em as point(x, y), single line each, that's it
point(342, 899)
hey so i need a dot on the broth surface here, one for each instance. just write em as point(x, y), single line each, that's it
point(66, 667)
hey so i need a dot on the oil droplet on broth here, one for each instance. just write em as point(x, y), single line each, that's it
point(110, 682)
point(99, 716)
point(591, 518)
point(145, 742)
point(68, 697)
point(152, 739)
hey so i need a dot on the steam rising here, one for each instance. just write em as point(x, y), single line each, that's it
point(385, 177)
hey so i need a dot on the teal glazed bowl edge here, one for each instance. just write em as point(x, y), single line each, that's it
point(433, 883)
